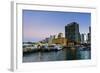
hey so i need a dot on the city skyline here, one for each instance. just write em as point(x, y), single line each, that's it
point(38, 25)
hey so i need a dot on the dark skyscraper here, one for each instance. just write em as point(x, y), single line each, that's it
point(89, 35)
point(72, 32)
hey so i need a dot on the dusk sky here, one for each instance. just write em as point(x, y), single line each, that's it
point(38, 25)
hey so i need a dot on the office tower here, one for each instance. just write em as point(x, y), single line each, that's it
point(82, 38)
point(72, 32)
point(89, 35)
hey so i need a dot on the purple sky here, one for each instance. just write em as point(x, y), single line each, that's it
point(38, 25)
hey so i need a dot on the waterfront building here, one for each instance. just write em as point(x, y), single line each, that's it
point(89, 29)
point(72, 32)
point(82, 38)
point(50, 39)
point(89, 36)
point(46, 40)
point(85, 37)
point(60, 35)
point(60, 40)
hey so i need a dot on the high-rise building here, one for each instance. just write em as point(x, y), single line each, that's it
point(82, 38)
point(89, 29)
point(72, 32)
point(89, 35)
point(85, 37)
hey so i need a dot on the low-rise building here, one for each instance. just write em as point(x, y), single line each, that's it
point(61, 41)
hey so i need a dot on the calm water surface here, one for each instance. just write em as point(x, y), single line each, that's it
point(61, 55)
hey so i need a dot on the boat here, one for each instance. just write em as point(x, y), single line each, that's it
point(84, 48)
point(54, 47)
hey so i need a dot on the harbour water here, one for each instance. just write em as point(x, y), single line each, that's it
point(62, 55)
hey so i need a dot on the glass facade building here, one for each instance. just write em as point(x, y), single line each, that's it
point(72, 32)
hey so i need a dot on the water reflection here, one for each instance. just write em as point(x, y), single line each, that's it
point(65, 54)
